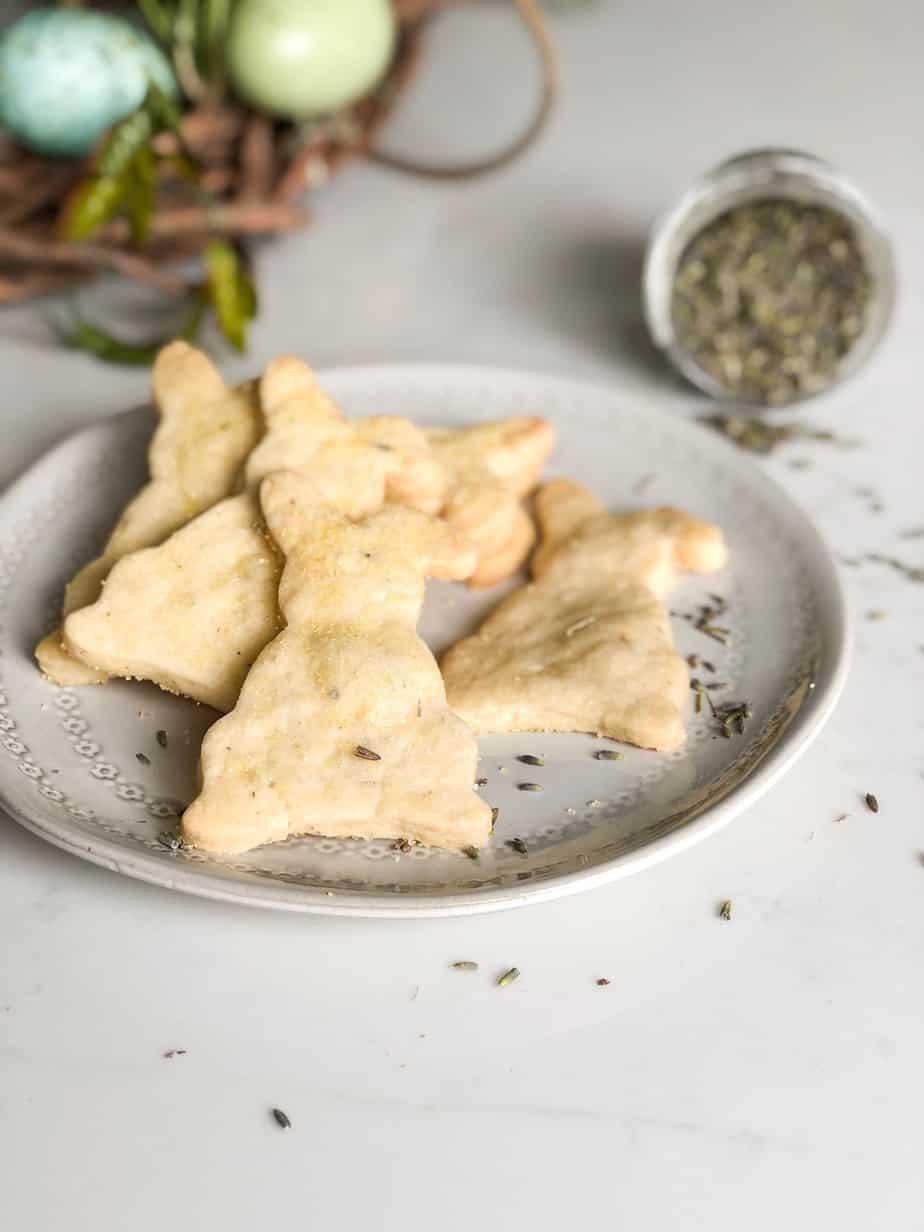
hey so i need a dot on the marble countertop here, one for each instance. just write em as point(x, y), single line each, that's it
point(764, 1073)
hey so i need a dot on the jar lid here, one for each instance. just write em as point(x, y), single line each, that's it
point(765, 175)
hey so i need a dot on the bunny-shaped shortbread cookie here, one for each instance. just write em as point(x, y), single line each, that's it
point(206, 431)
point(586, 646)
point(342, 727)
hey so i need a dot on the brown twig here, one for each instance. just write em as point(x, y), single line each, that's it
point(43, 189)
point(374, 111)
point(531, 17)
point(30, 284)
point(178, 248)
point(257, 159)
point(298, 175)
point(240, 218)
point(174, 188)
point(368, 115)
point(14, 175)
point(10, 152)
point(218, 180)
point(18, 246)
point(205, 126)
point(414, 10)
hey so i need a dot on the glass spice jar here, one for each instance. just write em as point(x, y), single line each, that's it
point(766, 176)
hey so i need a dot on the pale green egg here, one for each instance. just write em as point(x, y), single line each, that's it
point(66, 75)
point(304, 58)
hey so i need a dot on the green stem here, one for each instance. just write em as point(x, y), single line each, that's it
point(216, 15)
point(158, 20)
point(85, 336)
point(184, 53)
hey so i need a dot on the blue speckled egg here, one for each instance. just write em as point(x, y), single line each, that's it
point(66, 75)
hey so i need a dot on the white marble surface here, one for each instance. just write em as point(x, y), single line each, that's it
point(765, 1073)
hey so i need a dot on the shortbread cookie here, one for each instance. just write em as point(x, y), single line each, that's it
point(587, 645)
point(192, 614)
point(512, 450)
point(364, 460)
point(342, 726)
point(579, 537)
point(493, 567)
point(491, 468)
point(415, 476)
point(206, 431)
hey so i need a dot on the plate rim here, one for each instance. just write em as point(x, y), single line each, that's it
point(806, 724)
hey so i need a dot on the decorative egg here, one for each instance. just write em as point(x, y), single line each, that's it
point(304, 58)
point(66, 75)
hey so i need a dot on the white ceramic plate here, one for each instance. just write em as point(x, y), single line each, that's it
point(69, 768)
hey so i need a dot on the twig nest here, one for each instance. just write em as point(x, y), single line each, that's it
point(304, 58)
point(66, 75)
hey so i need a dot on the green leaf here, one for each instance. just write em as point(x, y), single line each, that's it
point(123, 176)
point(123, 143)
point(163, 110)
point(166, 114)
point(248, 293)
point(215, 19)
point(126, 171)
point(85, 336)
point(139, 194)
point(231, 291)
point(91, 204)
point(157, 18)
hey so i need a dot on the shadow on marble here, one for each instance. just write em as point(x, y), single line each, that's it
point(591, 293)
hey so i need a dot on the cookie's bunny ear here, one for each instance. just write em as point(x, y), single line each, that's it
point(516, 455)
point(427, 544)
point(290, 385)
point(449, 556)
point(291, 504)
point(183, 375)
point(507, 557)
point(697, 545)
point(561, 506)
point(415, 475)
point(290, 394)
point(286, 377)
point(294, 407)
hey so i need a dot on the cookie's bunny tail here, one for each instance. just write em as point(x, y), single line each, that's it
point(182, 373)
